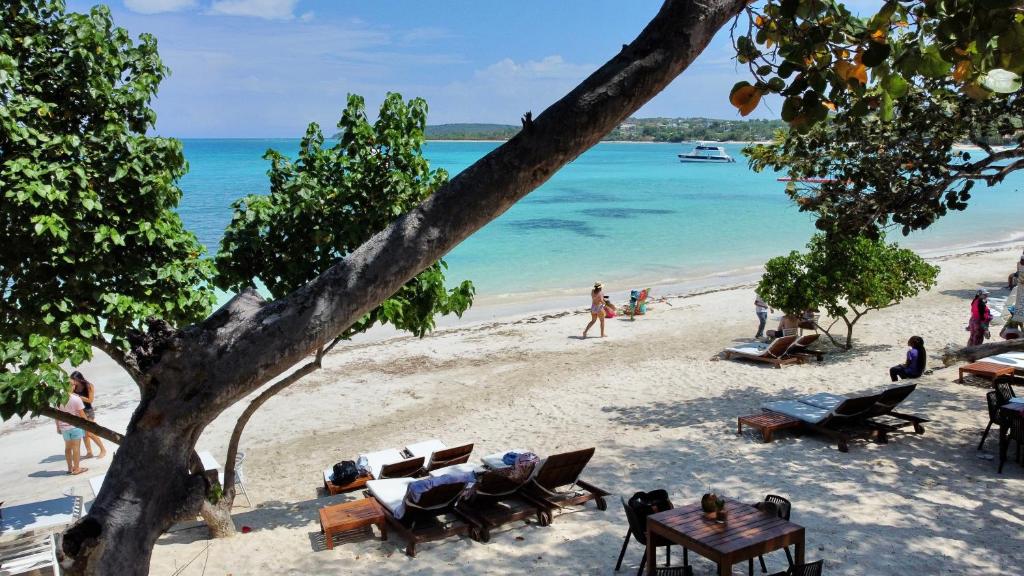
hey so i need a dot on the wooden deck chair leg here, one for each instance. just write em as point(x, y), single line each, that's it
point(643, 562)
point(622, 553)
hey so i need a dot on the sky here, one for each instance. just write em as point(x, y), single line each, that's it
point(266, 68)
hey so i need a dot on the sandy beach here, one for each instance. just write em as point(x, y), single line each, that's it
point(656, 401)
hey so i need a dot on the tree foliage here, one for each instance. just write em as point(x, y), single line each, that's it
point(876, 104)
point(333, 199)
point(92, 244)
point(846, 277)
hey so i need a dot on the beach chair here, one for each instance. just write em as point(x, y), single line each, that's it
point(557, 482)
point(239, 477)
point(638, 306)
point(433, 516)
point(773, 353)
point(35, 554)
point(884, 418)
point(838, 417)
point(438, 455)
point(497, 498)
point(801, 347)
point(1002, 395)
point(390, 463)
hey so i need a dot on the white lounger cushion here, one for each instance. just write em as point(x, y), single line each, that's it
point(455, 470)
point(823, 400)
point(1015, 359)
point(425, 449)
point(390, 492)
point(752, 349)
point(377, 460)
point(798, 410)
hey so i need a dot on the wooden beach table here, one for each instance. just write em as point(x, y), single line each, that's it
point(767, 423)
point(350, 516)
point(747, 533)
point(988, 370)
point(333, 489)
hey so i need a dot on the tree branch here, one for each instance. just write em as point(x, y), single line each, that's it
point(257, 402)
point(79, 422)
point(952, 354)
point(249, 342)
point(123, 359)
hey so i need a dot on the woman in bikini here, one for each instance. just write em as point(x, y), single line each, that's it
point(596, 308)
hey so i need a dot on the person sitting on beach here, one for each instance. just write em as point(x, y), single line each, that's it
point(916, 359)
point(596, 308)
point(788, 322)
point(609, 308)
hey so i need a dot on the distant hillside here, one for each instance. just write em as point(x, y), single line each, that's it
point(471, 132)
point(633, 130)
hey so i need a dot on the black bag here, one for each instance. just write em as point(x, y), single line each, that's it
point(647, 503)
point(345, 472)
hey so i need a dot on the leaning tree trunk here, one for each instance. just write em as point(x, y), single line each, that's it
point(189, 377)
point(953, 354)
point(147, 488)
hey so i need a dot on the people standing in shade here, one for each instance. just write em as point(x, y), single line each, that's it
point(761, 309)
point(916, 360)
point(87, 392)
point(980, 317)
point(72, 435)
point(596, 308)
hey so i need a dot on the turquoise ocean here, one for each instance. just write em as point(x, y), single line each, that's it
point(626, 214)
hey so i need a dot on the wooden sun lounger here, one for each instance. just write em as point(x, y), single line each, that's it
point(498, 500)
point(884, 418)
point(421, 523)
point(848, 422)
point(560, 471)
point(449, 457)
point(801, 347)
point(774, 353)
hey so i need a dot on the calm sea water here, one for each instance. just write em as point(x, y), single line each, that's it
point(626, 214)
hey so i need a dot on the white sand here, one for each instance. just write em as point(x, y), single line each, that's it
point(659, 407)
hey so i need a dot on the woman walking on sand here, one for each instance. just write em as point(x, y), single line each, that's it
point(87, 392)
point(72, 434)
point(596, 308)
point(980, 317)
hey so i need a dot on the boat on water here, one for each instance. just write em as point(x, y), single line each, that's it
point(706, 153)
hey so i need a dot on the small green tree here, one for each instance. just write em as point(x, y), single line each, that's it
point(320, 208)
point(847, 277)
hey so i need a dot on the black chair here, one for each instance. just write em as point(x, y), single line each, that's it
point(782, 509)
point(812, 569)
point(992, 399)
point(1005, 391)
point(638, 530)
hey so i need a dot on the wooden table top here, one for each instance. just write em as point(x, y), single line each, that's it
point(362, 510)
point(989, 367)
point(746, 527)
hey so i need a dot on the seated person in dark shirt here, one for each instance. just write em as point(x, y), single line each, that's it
point(916, 358)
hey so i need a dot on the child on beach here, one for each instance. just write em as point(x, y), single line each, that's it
point(87, 392)
point(596, 308)
point(916, 359)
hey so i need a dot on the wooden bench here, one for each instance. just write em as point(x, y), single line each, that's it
point(351, 516)
point(988, 370)
point(767, 423)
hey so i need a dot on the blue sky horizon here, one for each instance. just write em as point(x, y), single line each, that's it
point(267, 68)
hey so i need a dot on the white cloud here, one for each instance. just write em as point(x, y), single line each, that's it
point(157, 6)
point(266, 9)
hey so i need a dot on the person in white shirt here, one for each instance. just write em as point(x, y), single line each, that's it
point(761, 309)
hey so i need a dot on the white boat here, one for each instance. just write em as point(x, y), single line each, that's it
point(704, 152)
